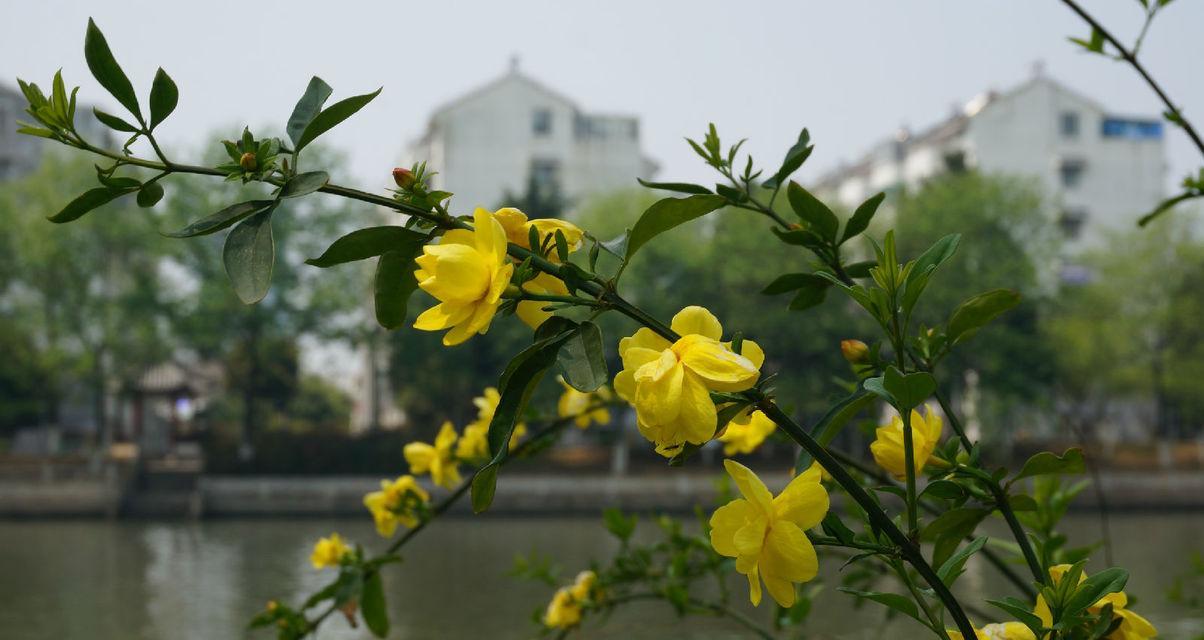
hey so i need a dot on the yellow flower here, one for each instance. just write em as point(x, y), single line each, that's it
point(563, 611)
point(328, 552)
point(473, 446)
point(766, 534)
point(531, 312)
point(575, 403)
point(583, 586)
point(746, 432)
point(518, 229)
point(487, 405)
point(436, 459)
point(888, 447)
point(670, 384)
point(998, 631)
point(467, 273)
point(394, 504)
point(1132, 625)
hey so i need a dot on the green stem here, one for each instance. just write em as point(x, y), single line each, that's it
point(909, 465)
point(933, 622)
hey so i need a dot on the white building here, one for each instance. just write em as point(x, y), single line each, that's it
point(514, 131)
point(1098, 170)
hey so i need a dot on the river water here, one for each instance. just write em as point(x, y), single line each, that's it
point(100, 580)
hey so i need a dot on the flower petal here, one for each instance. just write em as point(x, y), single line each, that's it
point(725, 522)
point(697, 320)
point(750, 485)
point(788, 554)
point(722, 369)
point(804, 501)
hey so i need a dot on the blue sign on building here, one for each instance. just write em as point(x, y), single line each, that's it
point(1132, 129)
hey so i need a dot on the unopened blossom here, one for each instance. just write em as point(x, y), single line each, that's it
point(329, 552)
point(437, 459)
point(766, 534)
point(670, 383)
point(855, 351)
point(518, 230)
point(394, 504)
point(577, 403)
point(467, 271)
point(1133, 626)
point(888, 447)
point(746, 432)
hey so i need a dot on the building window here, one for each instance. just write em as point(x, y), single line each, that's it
point(1071, 172)
point(541, 122)
point(1069, 124)
point(1071, 222)
point(955, 161)
point(545, 176)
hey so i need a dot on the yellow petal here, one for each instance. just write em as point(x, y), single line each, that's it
point(780, 589)
point(442, 316)
point(750, 485)
point(722, 369)
point(804, 501)
point(697, 320)
point(489, 236)
point(514, 222)
point(788, 554)
point(446, 437)
point(419, 455)
point(754, 587)
point(460, 273)
point(725, 522)
point(658, 389)
point(697, 417)
point(644, 338)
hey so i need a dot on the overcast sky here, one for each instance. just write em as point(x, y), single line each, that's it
point(851, 70)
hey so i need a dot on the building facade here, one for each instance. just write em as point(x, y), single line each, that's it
point(514, 134)
point(1098, 171)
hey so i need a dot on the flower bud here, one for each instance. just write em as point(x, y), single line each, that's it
point(855, 351)
point(272, 604)
point(403, 177)
point(248, 161)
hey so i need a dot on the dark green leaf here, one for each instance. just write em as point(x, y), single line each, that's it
point(829, 425)
point(944, 489)
point(304, 184)
point(680, 187)
point(667, 214)
point(1046, 463)
point(952, 568)
point(1095, 587)
point(937, 254)
point(484, 486)
point(899, 603)
point(796, 155)
point(222, 219)
point(87, 201)
point(960, 519)
point(113, 122)
point(1022, 611)
point(800, 237)
point(583, 360)
point(106, 70)
point(793, 281)
point(163, 98)
point(330, 117)
point(372, 605)
point(976, 312)
point(619, 525)
point(362, 244)
point(307, 107)
point(150, 194)
point(395, 283)
point(808, 297)
point(249, 256)
point(908, 390)
point(861, 218)
point(815, 214)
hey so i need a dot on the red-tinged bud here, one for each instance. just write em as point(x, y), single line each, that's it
point(794, 226)
point(403, 177)
point(248, 161)
point(855, 351)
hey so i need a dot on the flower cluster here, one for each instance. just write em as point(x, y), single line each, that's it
point(474, 445)
point(578, 403)
point(329, 552)
point(888, 448)
point(437, 459)
point(397, 503)
point(746, 432)
point(564, 611)
point(670, 384)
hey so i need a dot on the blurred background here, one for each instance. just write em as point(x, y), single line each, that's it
point(168, 455)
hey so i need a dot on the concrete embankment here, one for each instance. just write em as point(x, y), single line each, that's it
point(550, 494)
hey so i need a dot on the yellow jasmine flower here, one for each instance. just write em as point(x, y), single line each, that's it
point(746, 432)
point(575, 403)
point(670, 384)
point(486, 406)
point(563, 611)
point(765, 534)
point(518, 229)
point(328, 552)
point(436, 459)
point(583, 586)
point(466, 272)
point(888, 447)
point(394, 504)
point(998, 631)
point(531, 312)
point(473, 445)
point(1133, 626)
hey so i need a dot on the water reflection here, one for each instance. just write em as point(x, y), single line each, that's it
point(115, 581)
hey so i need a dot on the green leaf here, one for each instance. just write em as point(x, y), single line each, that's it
point(304, 184)
point(316, 94)
point(1095, 587)
point(1048, 463)
point(808, 297)
point(113, 122)
point(163, 98)
point(815, 214)
point(36, 131)
point(977, 311)
point(394, 284)
point(106, 70)
point(1022, 612)
point(958, 520)
point(667, 214)
point(908, 390)
point(150, 194)
point(937, 254)
point(87, 201)
point(362, 244)
point(679, 187)
point(800, 237)
point(372, 605)
point(792, 282)
point(484, 487)
point(222, 219)
point(862, 217)
point(330, 117)
point(617, 524)
point(1167, 205)
point(952, 568)
point(249, 256)
point(894, 601)
point(796, 155)
point(583, 359)
point(829, 425)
